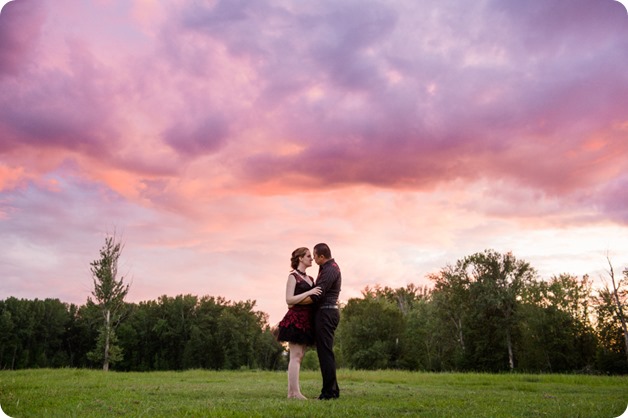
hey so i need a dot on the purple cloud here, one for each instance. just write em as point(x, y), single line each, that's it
point(20, 29)
point(207, 136)
point(363, 92)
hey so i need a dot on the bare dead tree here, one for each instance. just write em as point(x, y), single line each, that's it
point(618, 300)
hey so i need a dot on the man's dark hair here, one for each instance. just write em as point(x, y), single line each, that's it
point(322, 249)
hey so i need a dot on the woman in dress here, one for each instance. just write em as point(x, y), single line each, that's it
point(296, 326)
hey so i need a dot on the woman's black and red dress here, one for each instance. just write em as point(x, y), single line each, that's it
point(296, 325)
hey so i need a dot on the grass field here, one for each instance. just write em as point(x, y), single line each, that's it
point(200, 393)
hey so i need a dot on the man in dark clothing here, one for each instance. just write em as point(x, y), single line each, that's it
point(326, 318)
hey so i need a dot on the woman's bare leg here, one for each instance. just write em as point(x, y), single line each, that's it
point(297, 351)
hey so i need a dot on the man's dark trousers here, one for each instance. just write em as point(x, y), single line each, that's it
point(325, 324)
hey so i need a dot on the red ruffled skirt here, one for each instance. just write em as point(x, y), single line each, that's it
point(296, 326)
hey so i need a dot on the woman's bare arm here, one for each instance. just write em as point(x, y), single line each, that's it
point(292, 299)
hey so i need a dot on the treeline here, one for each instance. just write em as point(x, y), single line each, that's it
point(489, 312)
point(171, 333)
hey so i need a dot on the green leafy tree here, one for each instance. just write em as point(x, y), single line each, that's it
point(452, 309)
point(405, 298)
point(171, 330)
point(85, 323)
point(479, 297)
point(554, 322)
point(33, 333)
point(204, 348)
point(370, 333)
point(498, 283)
point(109, 293)
point(20, 350)
point(50, 333)
point(8, 336)
point(427, 343)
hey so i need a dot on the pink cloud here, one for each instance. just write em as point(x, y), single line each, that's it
point(208, 130)
point(456, 107)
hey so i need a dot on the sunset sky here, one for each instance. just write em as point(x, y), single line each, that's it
point(215, 137)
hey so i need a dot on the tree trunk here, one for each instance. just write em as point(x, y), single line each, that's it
point(105, 365)
point(511, 360)
point(511, 357)
point(458, 325)
point(14, 356)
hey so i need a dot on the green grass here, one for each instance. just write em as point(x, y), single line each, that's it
point(200, 393)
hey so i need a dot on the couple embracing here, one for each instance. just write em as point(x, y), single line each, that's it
point(312, 317)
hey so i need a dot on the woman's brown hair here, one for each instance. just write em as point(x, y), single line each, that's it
point(296, 255)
